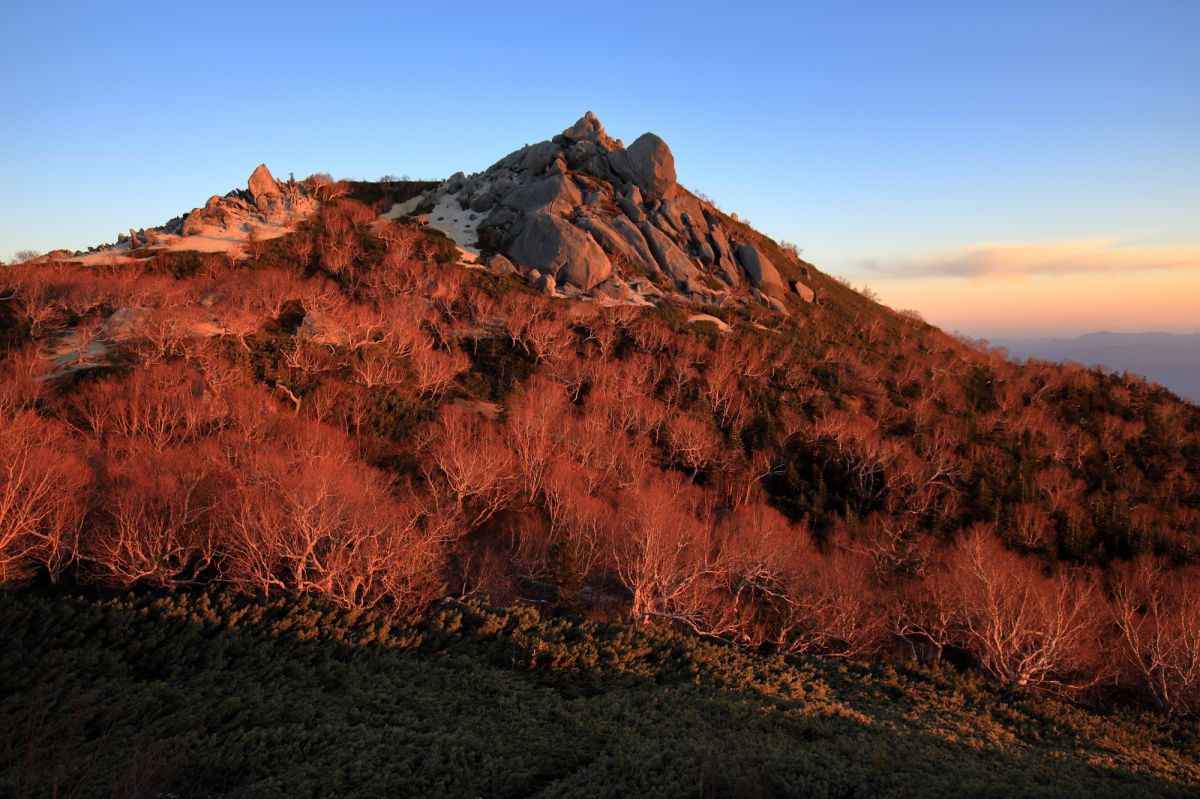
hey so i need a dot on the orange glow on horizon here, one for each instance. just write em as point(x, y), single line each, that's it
point(1166, 300)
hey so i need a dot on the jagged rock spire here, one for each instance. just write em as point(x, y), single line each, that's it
point(588, 127)
point(262, 183)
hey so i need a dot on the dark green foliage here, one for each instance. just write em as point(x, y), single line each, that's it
point(817, 483)
point(188, 263)
point(566, 577)
point(384, 195)
point(979, 388)
point(495, 286)
point(395, 412)
point(999, 481)
point(13, 329)
point(671, 315)
point(829, 375)
point(213, 695)
point(443, 248)
point(267, 350)
point(497, 367)
point(1077, 405)
point(280, 252)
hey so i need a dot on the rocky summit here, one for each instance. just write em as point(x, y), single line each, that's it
point(265, 200)
point(598, 218)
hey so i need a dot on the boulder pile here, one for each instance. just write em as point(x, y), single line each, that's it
point(582, 213)
point(265, 200)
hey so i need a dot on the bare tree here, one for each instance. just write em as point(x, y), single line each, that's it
point(1026, 629)
point(43, 485)
point(534, 426)
point(154, 524)
point(474, 466)
point(1157, 614)
point(670, 562)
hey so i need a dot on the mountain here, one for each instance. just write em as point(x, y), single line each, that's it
point(593, 218)
point(567, 386)
point(1170, 359)
point(579, 215)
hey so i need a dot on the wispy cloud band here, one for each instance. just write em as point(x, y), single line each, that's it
point(1016, 260)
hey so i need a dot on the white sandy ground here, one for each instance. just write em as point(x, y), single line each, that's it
point(459, 224)
point(447, 216)
point(402, 209)
point(74, 350)
point(210, 238)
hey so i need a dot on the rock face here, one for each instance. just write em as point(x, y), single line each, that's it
point(553, 246)
point(555, 193)
point(126, 323)
point(581, 213)
point(587, 127)
point(264, 201)
point(500, 265)
point(673, 261)
point(762, 273)
point(262, 185)
point(627, 230)
point(804, 292)
point(653, 165)
point(318, 328)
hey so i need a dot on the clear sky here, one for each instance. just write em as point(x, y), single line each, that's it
point(1002, 167)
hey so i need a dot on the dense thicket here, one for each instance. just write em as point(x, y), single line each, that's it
point(214, 695)
point(347, 412)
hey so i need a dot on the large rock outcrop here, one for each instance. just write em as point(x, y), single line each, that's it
point(264, 202)
point(762, 273)
point(553, 246)
point(555, 193)
point(672, 259)
point(652, 165)
point(588, 127)
point(262, 186)
point(575, 207)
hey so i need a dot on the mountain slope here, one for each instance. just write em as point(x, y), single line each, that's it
point(213, 695)
point(358, 408)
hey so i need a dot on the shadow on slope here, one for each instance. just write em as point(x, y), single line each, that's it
point(216, 695)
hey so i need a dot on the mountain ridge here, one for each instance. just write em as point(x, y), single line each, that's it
point(358, 408)
point(571, 206)
point(575, 215)
point(1170, 359)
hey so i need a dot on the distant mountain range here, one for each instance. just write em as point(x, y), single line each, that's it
point(1170, 359)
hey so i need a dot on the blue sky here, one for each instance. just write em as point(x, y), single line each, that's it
point(880, 137)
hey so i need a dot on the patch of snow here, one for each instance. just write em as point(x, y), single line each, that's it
point(458, 223)
point(403, 209)
point(704, 317)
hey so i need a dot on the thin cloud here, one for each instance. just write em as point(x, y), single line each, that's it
point(1017, 260)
